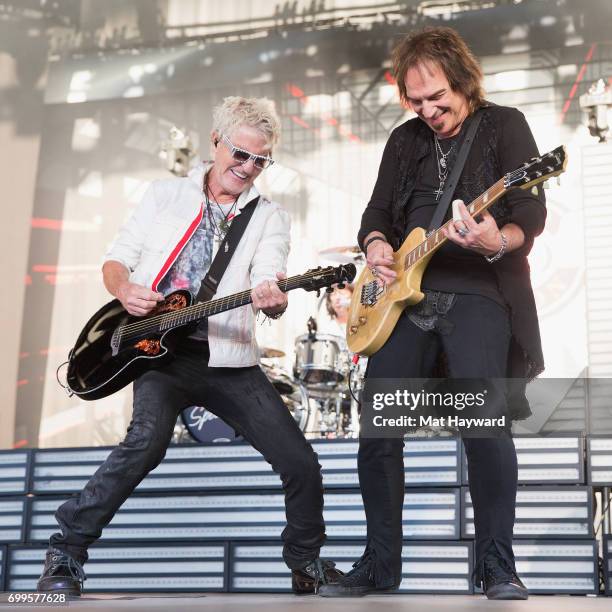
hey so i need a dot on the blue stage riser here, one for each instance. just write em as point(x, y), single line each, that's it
point(15, 472)
point(427, 567)
point(131, 567)
point(599, 461)
point(561, 511)
point(239, 466)
point(428, 514)
point(558, 566)
point(558, 460)
point(546, 566)
point(13, 518)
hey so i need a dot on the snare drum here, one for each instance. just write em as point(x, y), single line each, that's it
point(320, 359)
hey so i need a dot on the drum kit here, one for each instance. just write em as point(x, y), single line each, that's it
point(321, 392)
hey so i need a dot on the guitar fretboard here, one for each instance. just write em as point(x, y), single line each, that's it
point(312, 280)
point(436, 239)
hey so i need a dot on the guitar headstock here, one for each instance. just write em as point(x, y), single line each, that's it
point(318, 278)
point(538, 169)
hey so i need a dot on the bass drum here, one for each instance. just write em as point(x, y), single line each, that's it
point(204, 426)
point(292, 393)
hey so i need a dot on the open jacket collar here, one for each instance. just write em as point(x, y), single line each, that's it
point(197, 174)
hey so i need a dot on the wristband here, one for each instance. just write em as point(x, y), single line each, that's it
point(371, 240)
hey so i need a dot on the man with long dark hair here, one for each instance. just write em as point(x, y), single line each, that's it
point(479, 311)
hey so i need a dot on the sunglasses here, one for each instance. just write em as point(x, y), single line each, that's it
point(242, 156)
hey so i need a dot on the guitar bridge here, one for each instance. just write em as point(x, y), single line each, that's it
point(369, 293)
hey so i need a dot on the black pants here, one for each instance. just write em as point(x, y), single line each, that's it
point(246, 400)
point(476, 347)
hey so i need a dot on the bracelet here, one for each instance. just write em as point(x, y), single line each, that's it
point(502, 249)
point(371, 240)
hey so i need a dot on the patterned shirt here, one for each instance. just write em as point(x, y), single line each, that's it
point(192, 265)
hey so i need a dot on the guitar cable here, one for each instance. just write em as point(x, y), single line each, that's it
point(352, 369)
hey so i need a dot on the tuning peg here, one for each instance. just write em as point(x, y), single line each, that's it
point(558, 181)
point(546, 185)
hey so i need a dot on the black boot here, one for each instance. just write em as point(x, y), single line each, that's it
point(500, 581)
point(318, 572)
point(358, 582)
point(61, 574)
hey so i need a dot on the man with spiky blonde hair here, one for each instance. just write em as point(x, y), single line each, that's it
point(169, 244)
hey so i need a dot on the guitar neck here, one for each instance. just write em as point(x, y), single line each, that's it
point(202, 310)
point(313, 280)
point(436, 239)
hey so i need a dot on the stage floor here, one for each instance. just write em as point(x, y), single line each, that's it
point(238, 602)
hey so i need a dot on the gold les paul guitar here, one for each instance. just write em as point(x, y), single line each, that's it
point(376, 307)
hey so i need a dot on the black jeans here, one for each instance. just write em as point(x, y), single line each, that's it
point(247, 401)
point(476, 340)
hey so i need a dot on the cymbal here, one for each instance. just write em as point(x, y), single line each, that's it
point(266, 352)
point(343, 254)
point(341, 249)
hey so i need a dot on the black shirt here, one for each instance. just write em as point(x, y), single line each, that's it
point(452, 269)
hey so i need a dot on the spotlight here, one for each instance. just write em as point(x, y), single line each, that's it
point(178, 151)
point(597, 103)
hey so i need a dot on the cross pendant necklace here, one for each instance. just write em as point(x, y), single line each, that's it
point(220, 228)
point(442, 160)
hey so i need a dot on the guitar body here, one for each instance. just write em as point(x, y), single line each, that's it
point(100, 365)
point(115, 347)
point(375, 308)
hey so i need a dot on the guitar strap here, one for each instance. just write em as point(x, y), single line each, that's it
point(210, 282)
point(466, 145)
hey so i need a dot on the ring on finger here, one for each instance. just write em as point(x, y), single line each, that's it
point(374, 271)
point(462, 232)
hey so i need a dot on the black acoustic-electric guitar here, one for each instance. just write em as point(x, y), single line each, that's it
point(115, 347)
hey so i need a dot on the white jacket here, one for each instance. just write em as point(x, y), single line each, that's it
point(168, 215)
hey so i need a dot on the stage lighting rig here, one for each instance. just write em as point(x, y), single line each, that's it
point(597, 102)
